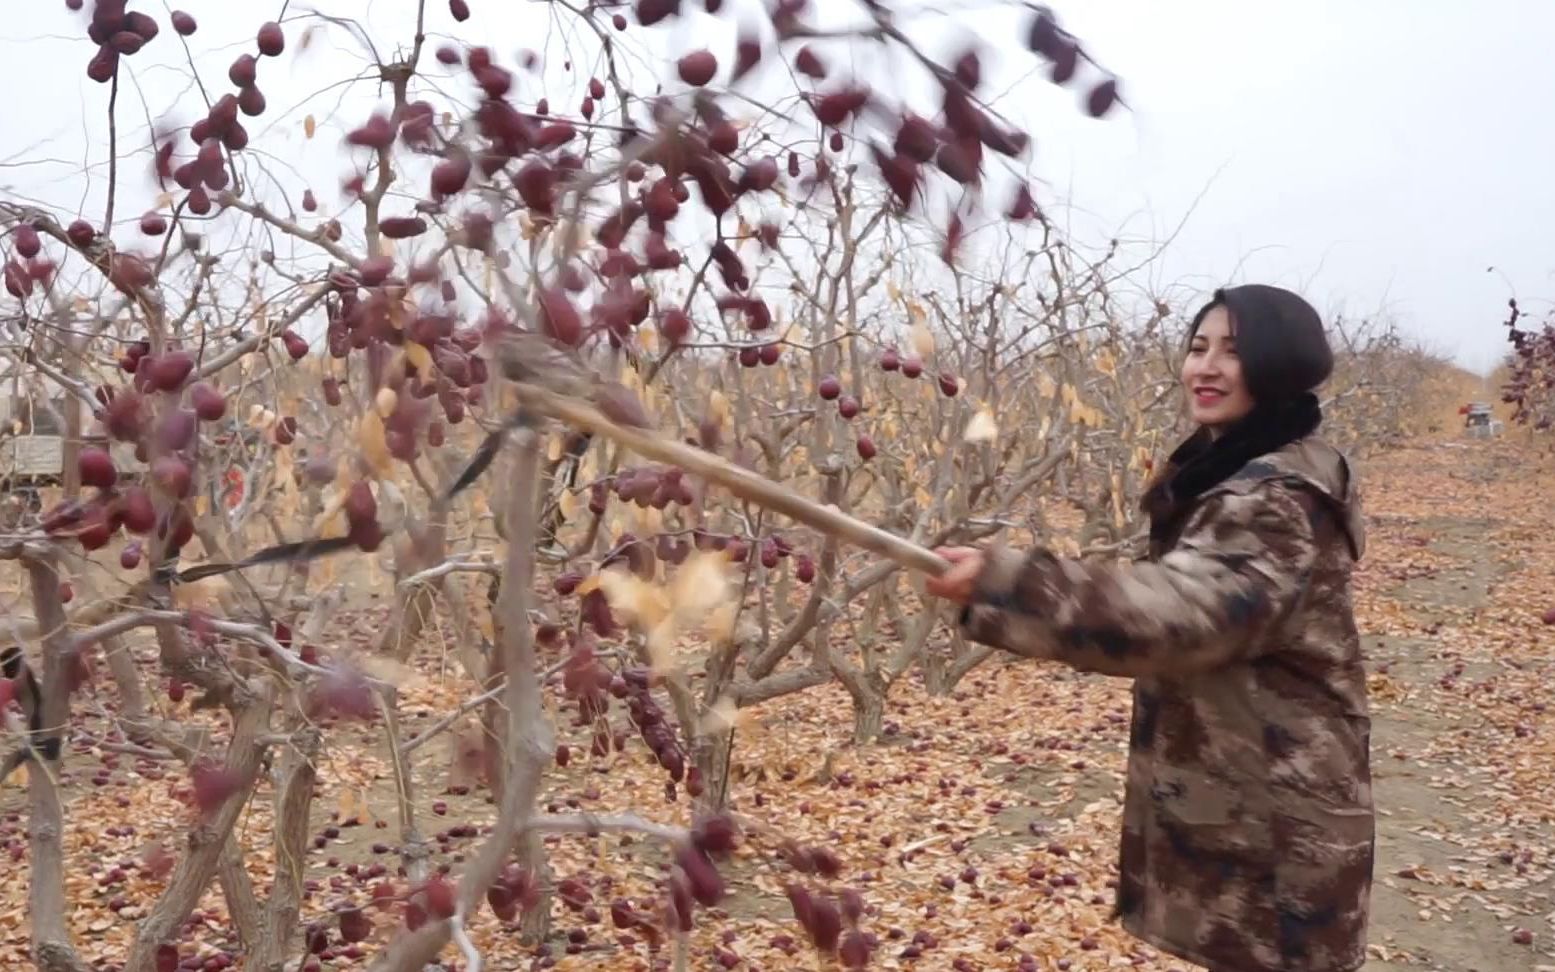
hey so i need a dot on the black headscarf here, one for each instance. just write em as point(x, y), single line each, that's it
point(1285, 355)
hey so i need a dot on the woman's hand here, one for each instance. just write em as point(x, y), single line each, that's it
point(957, 583)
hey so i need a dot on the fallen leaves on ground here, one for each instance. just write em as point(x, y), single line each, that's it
point(984, 821)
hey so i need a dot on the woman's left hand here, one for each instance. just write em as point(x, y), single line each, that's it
point(957, 583)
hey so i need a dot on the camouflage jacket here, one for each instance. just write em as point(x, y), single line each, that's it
point(1248, 829)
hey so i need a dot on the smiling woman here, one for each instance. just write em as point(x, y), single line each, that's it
point(1252, 344)
point(1247, 840)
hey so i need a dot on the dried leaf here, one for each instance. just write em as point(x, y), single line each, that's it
point(718, 407)
point(370, 437)
point(720, 624)
point(721, 716)
point(1106, 363)
point(418, 357)
point(981, 427)
point(309, 126)
point(639, 602)
point(700, 585)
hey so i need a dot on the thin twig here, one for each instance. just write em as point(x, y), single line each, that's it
point(113, 147)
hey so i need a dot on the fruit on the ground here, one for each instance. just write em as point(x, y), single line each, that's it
point(355, 926)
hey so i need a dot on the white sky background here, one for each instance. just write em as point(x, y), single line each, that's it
point(1376, 155)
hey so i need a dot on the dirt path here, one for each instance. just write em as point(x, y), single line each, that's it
point(1465, 847)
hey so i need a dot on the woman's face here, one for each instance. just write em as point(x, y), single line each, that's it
point(1212, 374)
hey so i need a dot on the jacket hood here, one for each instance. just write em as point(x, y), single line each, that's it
point(1317, 465)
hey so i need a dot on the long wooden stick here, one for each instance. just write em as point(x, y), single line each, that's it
point(736, 479)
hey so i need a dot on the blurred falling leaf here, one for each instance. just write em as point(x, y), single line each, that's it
point(650, 521)
point(639, 602)
point(720, 624)
point(309, 126)
point(721, 716)
point(386, 669)
point(718, 407)
point(371, 439)
point(700, 584)
point(982, 427)
point(660, 645)
point(417, 356)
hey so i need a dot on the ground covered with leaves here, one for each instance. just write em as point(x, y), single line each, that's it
point(981, 830)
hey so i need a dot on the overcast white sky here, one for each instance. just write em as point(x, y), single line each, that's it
point(1375, 154)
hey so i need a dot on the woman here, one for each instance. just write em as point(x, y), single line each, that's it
point(1248, 830)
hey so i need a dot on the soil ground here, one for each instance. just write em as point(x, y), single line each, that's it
point(1006, 792)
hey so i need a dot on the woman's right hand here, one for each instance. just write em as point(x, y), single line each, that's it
point(957, 583)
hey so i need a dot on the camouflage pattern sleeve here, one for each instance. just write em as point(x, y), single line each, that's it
point(1241, 566)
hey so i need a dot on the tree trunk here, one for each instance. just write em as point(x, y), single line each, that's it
point(868, 715)
point(942, 673)
point(535, 923)
point(425, 545)
point(121, 665)
point(47, 899)
point(712, 759)
point(292, 804)
point(868, 691)
point(934, 680)
point(205, 841)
